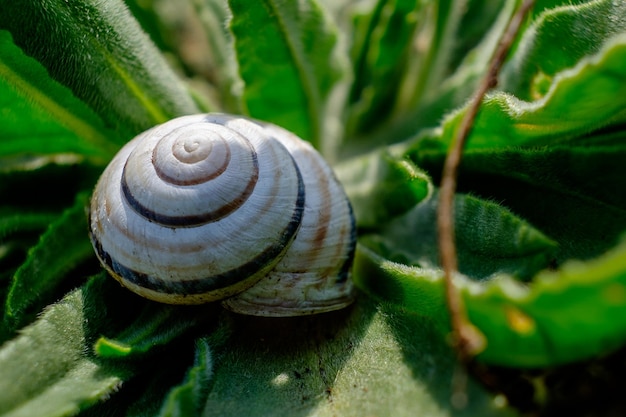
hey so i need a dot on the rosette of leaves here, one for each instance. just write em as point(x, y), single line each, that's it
point(380, 88)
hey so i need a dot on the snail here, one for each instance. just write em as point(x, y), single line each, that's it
point(218, 207)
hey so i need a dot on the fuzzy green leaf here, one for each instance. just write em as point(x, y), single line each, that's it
point(99, 51)
point(13, 221)
point(59, 250)
point(46, 370)
point(211, 15)
point(189, 398)
point(459, 56)
point(155, 326)
point(285, 52)
point(381, 186)
point(571, 192)
point(53, 179)
point(359, 361)
point(354, 362)
point(591, 95)
point(451, 53)
point(147, 14)
point(571, 314)
point(40, 116)
point(542, 54)
point(490, 239)
point(380, 55)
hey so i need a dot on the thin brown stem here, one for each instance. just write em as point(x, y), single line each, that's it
point(464, 337)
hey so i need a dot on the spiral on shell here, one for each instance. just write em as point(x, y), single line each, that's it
point(218, 207)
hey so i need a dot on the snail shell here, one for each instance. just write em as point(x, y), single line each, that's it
point(219, 207)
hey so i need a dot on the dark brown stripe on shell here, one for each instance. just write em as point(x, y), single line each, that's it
point(196, 219)
point(211, 283)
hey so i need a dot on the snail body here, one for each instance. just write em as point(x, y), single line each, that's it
point(218, 207)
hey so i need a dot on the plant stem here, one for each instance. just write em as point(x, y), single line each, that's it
point(465, 338)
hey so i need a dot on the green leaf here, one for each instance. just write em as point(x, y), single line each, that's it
point(542, 54)
point(212, 14)
point(381, 186)
point(355, 361)
point(543, 5)
point(571, 314)
point(451, 53)
point(452, 77)
point(60, 249)
point(155, 326)
point(482, 23)
point(380, 53)
point(53, 179)
point(103, 306)
point(12, 254)
point(592, 95)
point(490, 239)
point(410, 288)
point(285, 52)
point(571, 192)
point(147, 14)
point(14, 221)
point(189, 398)
point(567, 315)
point(47, 370)
point(40, 116)
point(177, 29)
point(360, 361)
point(99, 51)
